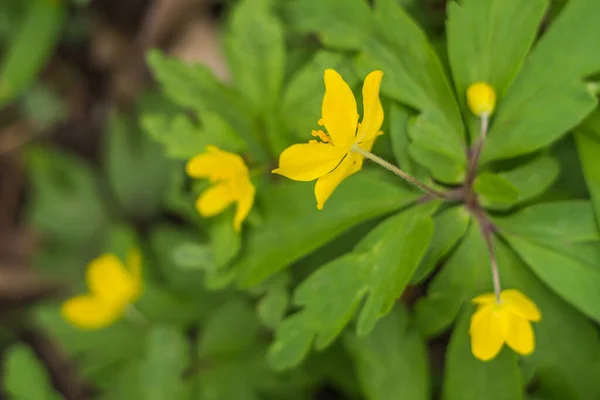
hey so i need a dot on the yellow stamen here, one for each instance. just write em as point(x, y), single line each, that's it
point(321, 135)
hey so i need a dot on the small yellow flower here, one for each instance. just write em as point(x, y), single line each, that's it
point(332, 160)
point(481, 98)
point(231, 184)
point(494, 324)
point(112, 286)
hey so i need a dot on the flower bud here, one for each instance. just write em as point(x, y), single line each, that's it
point(481, 98)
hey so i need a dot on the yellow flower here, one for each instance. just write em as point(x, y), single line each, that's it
point(481, 98)
point(112, 286)
point(494, 324)
point(332, 160)
point(231, 184)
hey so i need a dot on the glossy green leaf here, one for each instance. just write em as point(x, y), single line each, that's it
point(340, 25)
point(255, 46)
point(31, 48)
point(468, 378)
point(559, 241)
point(548, 96)
point(587, 139)
point(565, 360)
point(494, 190)
point(464, 275)
point(449, 227)
point(488, 41)
point(391, 362)
point(302, 98)
point(24, 376)
point(293, 227)
point(379, 267)
point(165, 359)
point(136, 168)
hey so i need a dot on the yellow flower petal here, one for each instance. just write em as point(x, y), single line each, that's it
point(215, 199)
point(108, 279)
point(520, 335)
point(134, 263)
point(488, 329)
point(484, 299)
point(244, 204)
point(309, 161)
point(372, 109)
point(520, 304)
point(216, 165)
point(481, 99)
point(340, 116)
point(91, 312)
point(351, 164)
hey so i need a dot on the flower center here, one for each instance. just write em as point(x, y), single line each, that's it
point(321, 135)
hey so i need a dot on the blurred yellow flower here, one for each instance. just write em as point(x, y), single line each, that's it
point(230, 184)
point(332, 160)
point(481, 99)
point(112, 287)
point(509, 321)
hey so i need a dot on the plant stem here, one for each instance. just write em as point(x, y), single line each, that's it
point(136, 316)
point(477, 149)
point(390, 167)
point(487, 231)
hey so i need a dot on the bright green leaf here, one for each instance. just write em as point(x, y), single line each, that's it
point(24, 376)
point(493, 190)
point(399, 118)
point(587, 139)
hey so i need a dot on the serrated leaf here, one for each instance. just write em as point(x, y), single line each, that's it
point(488, 41)
point(565, 360)
point(136, 168)
point(559, 241)
point(24, 376)
point(330, 296)
point(548, 96)
point(391, 361)
point(494, 190)
point(255, 46)
point(339, 25)
point(301, 102)
point(449, 227)
point(165, 358)
point(293, 227)
point(468, 378)
point(414, 76)
point(465, 274)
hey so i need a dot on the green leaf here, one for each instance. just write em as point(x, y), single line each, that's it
point(301, 103)
point(494, 190)
point(165, 359)
point(136, 168)
point(391, 362)
point(293, 227)
point(414, 76)
point(339, 25)
point(232, 327)
point(565, 360)
point(531, 179)
point(65, 202)
point(449, 227)
point(255, 46)
point(331, 295)
point(465, 274)
point(488, 41)
point(272, 307)
point(399, 118)
point(559, 241)
point(587, 139)
point(31, 48)
point(24, 377)
point(194, 86)
point(468, 378)
point(548, 96)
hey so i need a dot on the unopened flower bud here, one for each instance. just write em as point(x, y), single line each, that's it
point(481, 98)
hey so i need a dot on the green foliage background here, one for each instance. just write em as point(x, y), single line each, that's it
point(371, 295)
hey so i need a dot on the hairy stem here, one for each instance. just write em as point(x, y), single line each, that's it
point(390, 167)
